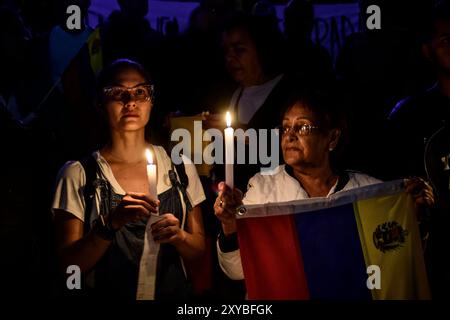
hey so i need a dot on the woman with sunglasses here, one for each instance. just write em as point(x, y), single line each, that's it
point(103, 232)
point(311, 133)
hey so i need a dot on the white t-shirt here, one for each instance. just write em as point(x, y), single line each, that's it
point(72, 180)
point(278, 186)
point(252, 99)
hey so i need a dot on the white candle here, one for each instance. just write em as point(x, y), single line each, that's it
point(229, 152)
point(151, 174)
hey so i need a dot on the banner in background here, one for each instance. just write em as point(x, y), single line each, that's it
point(332, 24)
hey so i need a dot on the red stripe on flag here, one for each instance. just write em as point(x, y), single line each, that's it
point(271, 258)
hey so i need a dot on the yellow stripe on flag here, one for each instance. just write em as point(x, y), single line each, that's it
point(95, 51)
point(390, 239)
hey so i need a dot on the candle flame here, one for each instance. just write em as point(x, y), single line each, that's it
point(228, 118)
point(149, 156)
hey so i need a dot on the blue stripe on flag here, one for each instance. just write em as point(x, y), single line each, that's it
point(332, 255)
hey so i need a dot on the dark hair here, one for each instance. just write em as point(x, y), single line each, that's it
point(109, 74)
point(299, 14)
point(327, 105)
point(439, 12)
point(267, 37)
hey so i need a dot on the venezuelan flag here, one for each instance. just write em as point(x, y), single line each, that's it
point(359, 244)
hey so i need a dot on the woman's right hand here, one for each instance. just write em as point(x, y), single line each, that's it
point(225, 207)
point(133, 208)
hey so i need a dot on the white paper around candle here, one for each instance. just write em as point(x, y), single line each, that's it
point(149, 258)
point(229, 152)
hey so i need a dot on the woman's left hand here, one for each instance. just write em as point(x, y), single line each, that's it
point(167, 230)
point(421, 192)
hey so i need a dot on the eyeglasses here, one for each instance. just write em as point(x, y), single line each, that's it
point(300, 129)
point(140, 93)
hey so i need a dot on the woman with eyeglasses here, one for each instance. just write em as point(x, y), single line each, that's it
point(102, 204)
point(311, 133)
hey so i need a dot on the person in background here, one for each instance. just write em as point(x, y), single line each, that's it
point(253, 50)
point(419, 140)
point(375, 68)
point(127, 34)
point(306, 59)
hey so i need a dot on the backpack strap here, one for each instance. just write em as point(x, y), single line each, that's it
point(182, 183)
point(90, 169)
point(181, 170)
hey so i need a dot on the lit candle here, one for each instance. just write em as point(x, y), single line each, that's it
point(151, 174)
point(229, 152)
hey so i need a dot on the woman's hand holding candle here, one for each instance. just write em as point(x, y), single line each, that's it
point(225, 207)
point(134, 207)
